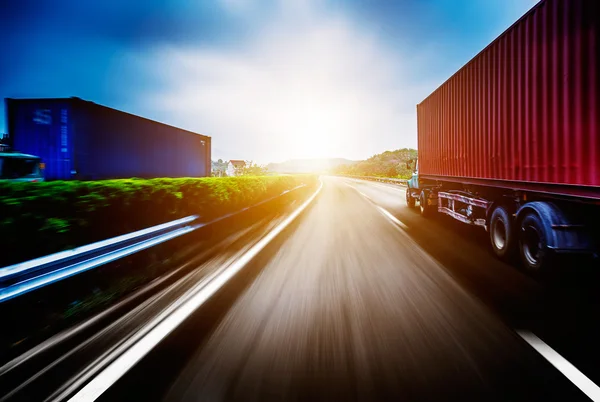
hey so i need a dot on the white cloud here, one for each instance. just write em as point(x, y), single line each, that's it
point(237, 5)
point(310, 84)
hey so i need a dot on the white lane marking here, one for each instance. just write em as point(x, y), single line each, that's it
point(392, 217)
point(360, 192)
point(381, 209)
point(364, 195)
point(575, 376)
point(162, 326)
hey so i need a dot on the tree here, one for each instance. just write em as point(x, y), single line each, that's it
point(253, 169)
point(388, 163)
point(218, 168)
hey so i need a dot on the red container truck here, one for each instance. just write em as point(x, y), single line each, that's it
point(511, 142)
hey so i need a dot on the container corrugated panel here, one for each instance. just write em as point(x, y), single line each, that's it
point(42, 127)
point(526, 108)
point(118, 144)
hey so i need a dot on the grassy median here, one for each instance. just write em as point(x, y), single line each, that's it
point(42, 218)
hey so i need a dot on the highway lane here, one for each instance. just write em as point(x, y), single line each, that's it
point(464, 252)
point(350, 307)
point(80, 346)
point(563, 310)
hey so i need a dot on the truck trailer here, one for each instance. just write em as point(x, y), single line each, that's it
point(511, 141)
point(78, 139)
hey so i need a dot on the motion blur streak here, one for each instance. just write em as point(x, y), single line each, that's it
point(155, 331)
point(350, 308)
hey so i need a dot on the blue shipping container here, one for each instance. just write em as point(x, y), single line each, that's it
point(44, 130)
point(77, 139)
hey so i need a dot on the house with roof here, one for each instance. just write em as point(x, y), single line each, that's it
point(235, 167)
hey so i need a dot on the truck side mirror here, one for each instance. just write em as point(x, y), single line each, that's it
point(408, 164)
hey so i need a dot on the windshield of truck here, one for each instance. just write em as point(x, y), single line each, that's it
point(15, 168)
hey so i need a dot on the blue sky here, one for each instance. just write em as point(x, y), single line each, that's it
point(268, 80)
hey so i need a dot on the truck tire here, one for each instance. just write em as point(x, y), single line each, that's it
point(502, 234)
point(410, 201)
point(423, 206)
point(533, 248)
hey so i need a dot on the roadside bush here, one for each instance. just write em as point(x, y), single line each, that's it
point(42, 218)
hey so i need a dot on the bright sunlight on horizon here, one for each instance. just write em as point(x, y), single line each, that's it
point(311, 83)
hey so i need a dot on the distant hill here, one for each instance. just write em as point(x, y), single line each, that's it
point(323, 165)
point(387, 164)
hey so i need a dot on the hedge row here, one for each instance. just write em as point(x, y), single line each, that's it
point(42, 218)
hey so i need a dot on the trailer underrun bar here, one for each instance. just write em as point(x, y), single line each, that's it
point(448, 207)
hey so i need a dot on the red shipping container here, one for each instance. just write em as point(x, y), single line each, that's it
point(523, 111)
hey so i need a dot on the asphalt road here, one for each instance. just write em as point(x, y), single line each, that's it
point(562, 310)
point(352, 306)
point(59, 354)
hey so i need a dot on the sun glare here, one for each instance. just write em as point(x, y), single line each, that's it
point(313, 135)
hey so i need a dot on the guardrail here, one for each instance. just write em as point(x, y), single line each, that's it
point(390, 180)
point(24, 277)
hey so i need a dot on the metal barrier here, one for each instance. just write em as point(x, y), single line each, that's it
point(24, 277)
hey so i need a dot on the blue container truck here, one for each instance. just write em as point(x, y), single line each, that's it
point(78, 139)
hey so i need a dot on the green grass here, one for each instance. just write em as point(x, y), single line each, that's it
point(42, 218)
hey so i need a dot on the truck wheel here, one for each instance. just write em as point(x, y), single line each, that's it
point(532, 244)
point(502, 235)
point(424, 208)
point(410, 201)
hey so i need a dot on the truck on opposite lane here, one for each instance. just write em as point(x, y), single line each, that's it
point(511, 141)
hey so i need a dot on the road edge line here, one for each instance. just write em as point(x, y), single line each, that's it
point(121, 364)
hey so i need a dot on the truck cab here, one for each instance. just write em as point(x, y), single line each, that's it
point(18, 167)
point(413, 182)
point(417, 192)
